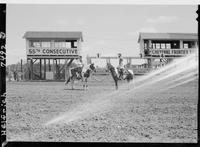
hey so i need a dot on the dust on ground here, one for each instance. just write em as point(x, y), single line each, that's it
point(142, 116)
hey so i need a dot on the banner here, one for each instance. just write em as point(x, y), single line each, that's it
point(54, 51)
point(171, 51)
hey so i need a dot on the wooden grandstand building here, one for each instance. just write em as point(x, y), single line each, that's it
point(51, 49)
point(154, 46)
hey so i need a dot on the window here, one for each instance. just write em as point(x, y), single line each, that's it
point(60, 44)
point(31, 44)
point(46, 44)
point(157, 45)
point(68, 44)
point(153, 45)
point(35, 44)
point(185, 45)
point(192, 44)
point(63, 45)
point(56, 44)
point(75, 44)
point(163, 45)
point(145, 45)
point(168, 46)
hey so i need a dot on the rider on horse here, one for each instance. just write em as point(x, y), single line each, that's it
point(120, 67)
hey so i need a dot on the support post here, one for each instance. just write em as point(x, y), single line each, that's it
point(79, 46)
point(56, 69)
point(28, 67)
point(196, 44)
point(59, 69)
point(181, 44)
point(53, 68)
point(31, 65)
point(44, 69)
point(72, 44)
point(65, 68)
point(40, 69)
point(149, 45)
point(142, 47)
point(49, 65)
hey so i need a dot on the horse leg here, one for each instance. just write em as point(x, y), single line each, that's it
point(86, 83)
point(116, 83)
point(72, 82)
point(83, 82)
point(67, 81)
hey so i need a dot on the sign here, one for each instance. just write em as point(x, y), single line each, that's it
point(171, 51)
point(52, 51)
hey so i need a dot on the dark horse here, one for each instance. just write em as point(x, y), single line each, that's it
point(78, 74)
point(126, 75)
point(114, 74)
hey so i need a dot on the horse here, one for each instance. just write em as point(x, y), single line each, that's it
point(78, 74)
point(126, 74)
point(129, 75)
point(114, 74)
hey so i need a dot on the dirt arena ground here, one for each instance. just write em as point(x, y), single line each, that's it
point(148, 115)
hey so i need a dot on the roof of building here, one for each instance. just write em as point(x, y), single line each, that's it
point(168, 36)
point(63, 35)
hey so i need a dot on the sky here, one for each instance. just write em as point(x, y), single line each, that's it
point(107, 29)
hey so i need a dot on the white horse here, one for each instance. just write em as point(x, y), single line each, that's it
point(128, 75)
point(80, 74)
point(124, 73)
